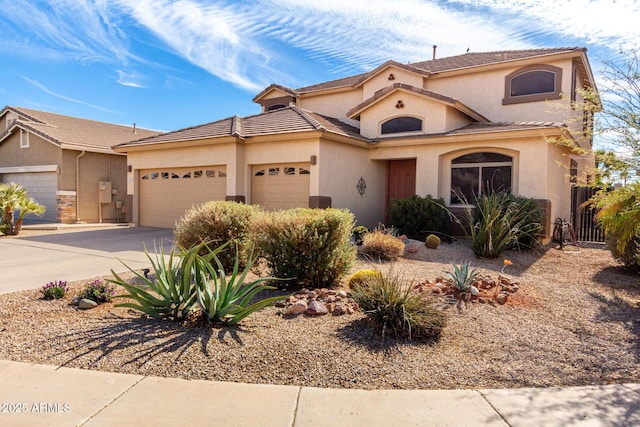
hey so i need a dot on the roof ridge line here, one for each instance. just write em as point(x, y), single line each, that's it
point(305, 115)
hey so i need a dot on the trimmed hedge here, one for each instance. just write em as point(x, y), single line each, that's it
point(307, 247)
point(218, 222)
point(418, 216)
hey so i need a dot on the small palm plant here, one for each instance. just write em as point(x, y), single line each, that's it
point(462, 279)
point(14, 197)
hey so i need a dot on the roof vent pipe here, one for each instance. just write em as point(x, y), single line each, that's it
point(435, 46)
point(134, 127)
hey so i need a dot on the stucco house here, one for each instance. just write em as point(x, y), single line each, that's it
point(67, 163)
point(438, 127)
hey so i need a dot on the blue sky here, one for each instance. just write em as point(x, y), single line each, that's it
point(172, 64)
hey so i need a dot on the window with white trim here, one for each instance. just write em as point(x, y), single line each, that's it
point(24, 139)
point(479, 173)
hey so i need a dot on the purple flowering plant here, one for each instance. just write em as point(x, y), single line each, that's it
point(99, 291)
point(55, 290)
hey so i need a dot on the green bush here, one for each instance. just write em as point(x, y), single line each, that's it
point(629, 256)
point(310, 247)
point(218, 222)
point(381, 246)
point(502, 221)
point(391, 306)
point(418, 216)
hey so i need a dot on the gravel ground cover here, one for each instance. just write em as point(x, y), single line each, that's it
point(574, 321)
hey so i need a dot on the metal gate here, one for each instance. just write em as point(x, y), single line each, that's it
point(583, 216)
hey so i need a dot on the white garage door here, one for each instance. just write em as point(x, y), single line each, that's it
point(42, 187)
point(280, 186)
point(165, 194)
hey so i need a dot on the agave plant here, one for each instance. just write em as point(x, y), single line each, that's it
point(171, 294)
point(461, 277)
point(224, 299)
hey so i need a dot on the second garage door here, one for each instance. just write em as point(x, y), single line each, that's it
point(165, 194)
point(41, 186)
point(280, 186)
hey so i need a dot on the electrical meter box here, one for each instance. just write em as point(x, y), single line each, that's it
point(104, 191)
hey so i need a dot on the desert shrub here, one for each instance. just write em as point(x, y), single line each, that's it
point(55, 290)
point(503, 221)
point(218, 222)
point(358, 232)
point(382, 246)
point(392, 307)
point(432, 241)
point(418, 216)
point(362, 277)
point(619, 216)
point(310, 247)
point(98, 290)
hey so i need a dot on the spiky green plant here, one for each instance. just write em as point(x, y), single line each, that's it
point(224, 299)
point(171, 294)
point(461, 277)
point(14, 197)
point(391, 306)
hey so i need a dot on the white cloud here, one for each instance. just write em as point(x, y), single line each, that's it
point(48, 91)
point(131, 79)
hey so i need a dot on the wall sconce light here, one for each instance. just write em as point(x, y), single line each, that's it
point(129, 168)
point(392, 77)
point(314, 160)
point(400, 104)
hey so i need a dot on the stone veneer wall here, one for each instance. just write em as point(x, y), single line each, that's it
point(66, 203)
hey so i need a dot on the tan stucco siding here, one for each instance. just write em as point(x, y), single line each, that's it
point(383, 79)
point(558, 182)
point(340, 168)
point(484, 91)
point(334, 104)
point(433, 114)
point(95, 167)
point(39, 152)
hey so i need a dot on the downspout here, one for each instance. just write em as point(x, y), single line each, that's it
point(78, 185)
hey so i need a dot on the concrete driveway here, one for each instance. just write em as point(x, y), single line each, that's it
point(30, 262)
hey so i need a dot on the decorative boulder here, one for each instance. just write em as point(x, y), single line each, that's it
point(86, 304)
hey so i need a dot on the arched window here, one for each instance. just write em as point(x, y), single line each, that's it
point(401, 124)
point(479, 173)
point(533, 83)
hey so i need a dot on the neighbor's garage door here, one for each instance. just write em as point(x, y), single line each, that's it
point(41, 186)
point(280, 186)
point(165, 194)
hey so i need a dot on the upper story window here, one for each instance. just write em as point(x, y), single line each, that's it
point(24, 139)
point(533, 83)
point(401, 124)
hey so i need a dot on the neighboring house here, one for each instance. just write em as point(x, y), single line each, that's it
point(441, 127)
point(67, 163)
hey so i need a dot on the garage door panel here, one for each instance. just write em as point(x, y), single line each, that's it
point(41, 186)
point(280, 186)
point(165, 194)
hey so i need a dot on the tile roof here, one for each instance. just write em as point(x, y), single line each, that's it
point(74, 132)
point(285, 120)
point(467, 60)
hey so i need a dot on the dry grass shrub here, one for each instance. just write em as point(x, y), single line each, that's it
point(381, 245)
point(393, 307)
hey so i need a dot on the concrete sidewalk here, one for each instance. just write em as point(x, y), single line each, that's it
point(40, 395)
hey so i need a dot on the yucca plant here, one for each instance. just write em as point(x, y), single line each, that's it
point(228, 300)
point(392, 306)
point(171, 294)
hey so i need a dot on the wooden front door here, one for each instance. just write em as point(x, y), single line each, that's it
point(401, 179)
